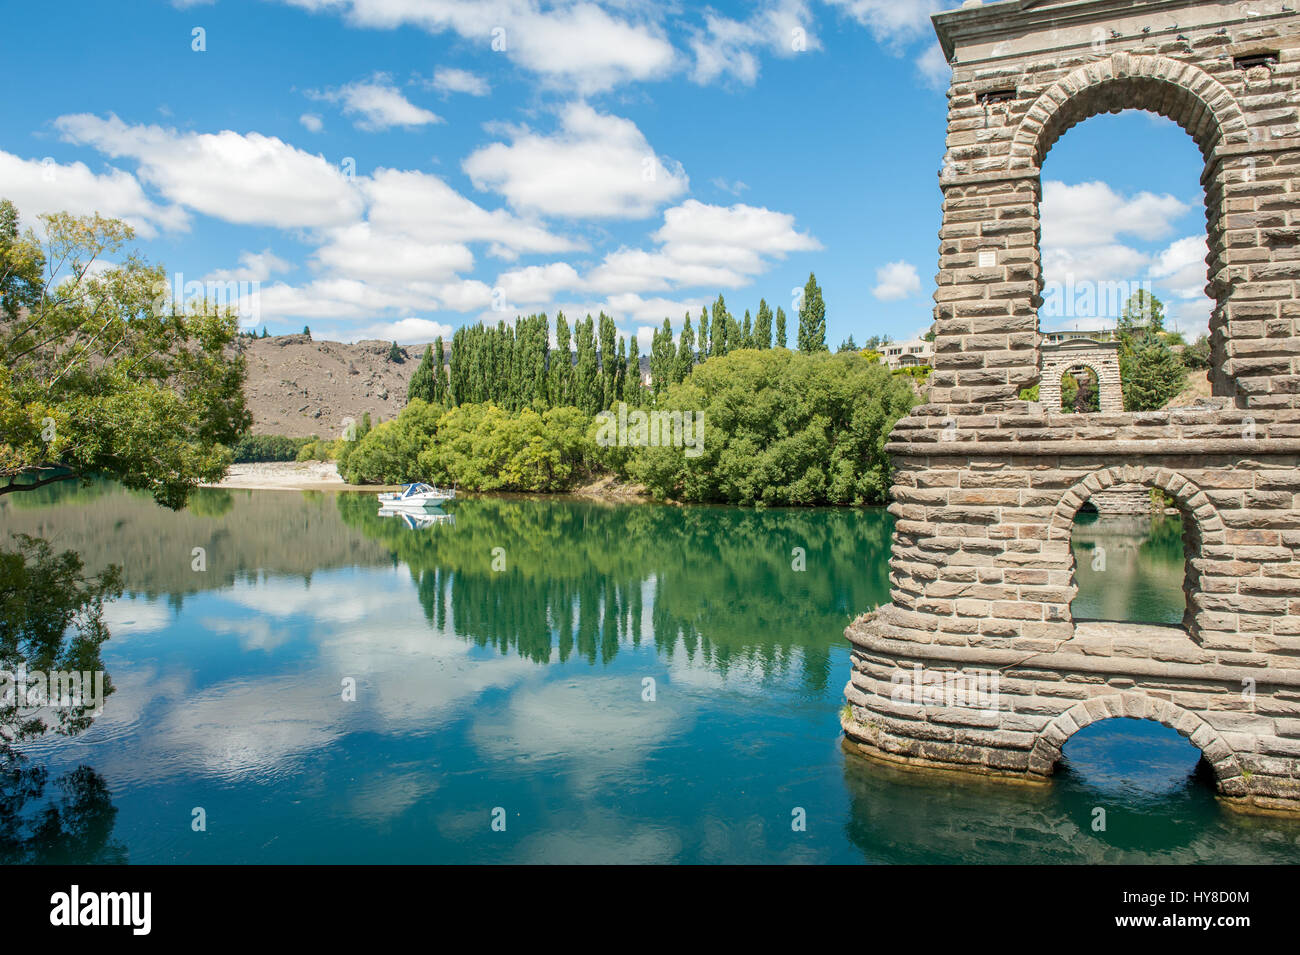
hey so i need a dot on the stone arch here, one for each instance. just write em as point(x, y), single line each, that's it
point(1191, 500)
point(1181, 91)
point(1204, 531)
point(1051, 740)
point(1101, 358)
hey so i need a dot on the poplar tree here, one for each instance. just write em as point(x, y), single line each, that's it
point(686, 351)
point(747, 332)
point(561, 372)
point(780, 327)
point(704, 333)
point(421, 384)
point(588, 374)
point(608, 336)
point(439, 377)
point(812, 318)
point(632, 392)
point(763, 325)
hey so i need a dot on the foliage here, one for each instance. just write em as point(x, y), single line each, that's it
point(782, 428)
point(485, 448)
point(812, 318)
point(317, 450)
point(388, 453)
point(100, 373)
point(51, 619)
point(1197, 355)
point(258, 448)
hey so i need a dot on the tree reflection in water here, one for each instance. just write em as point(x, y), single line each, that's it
point(51, 620)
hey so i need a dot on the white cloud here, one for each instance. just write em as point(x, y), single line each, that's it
point(1092, 213)
point(579, 46)
point(254, 267)
point(1181, 267)
point(893, 22)
point(897, 280)
point(378, 105)
point(405, 331)
point(45, 186)
point(311, 122)
point(249, 179)
point(703, 245)
point(1099, 263)
point(450, 80)
point(361, 252)
point(595, 166)
point(729, 47)
point(537, 284)
point(424, 207)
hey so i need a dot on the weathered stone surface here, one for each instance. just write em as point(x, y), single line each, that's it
point(986, 486)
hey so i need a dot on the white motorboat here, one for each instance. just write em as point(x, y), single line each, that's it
point(417, 496)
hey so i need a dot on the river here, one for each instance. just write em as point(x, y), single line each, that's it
point(552, 680)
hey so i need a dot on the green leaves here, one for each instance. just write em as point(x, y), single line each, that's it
point(102, 374)
point(782, 428)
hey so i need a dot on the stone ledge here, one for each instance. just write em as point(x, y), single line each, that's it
point(871, 636)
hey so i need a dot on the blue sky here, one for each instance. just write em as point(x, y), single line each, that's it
point(377, 169)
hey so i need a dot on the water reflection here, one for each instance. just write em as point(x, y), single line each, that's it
point(632, 683)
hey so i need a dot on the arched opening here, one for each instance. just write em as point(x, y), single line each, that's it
point(1129, 566)
point(1133, 759)
point(1080, 390)
point(1134, 556)
point(1123, 215)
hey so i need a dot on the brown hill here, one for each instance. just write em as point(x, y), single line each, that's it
point(299, 387)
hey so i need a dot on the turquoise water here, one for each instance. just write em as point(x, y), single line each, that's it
point(523, 695)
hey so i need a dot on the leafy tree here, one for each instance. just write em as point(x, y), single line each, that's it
point(663, 359)
point(588, 395)
point(561, 362)
point(1142, 311)
point(780, 327)
point(421, 384)
point(608, 367)
point(1197, 355)
point(633, 393)
point(100, 374)
point(1151, 373)
point(721, 342)
point(686, 351)
point(395, 354)
point(306, 330)
point(703, 339)
point(439, 394)
point(848, 345)
point(747, 332)
point(782, 427)
point(763, 325)
point(812, 318)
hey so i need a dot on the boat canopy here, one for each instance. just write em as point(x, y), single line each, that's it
point(413, 489)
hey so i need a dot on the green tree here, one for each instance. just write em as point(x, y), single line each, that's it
point(720, 342)
point(781, 427)
point(1151, 373)
point(440, 395)
point(100, 374)
point(608, 366)
point(747, 332)
point(306, 330)
point(561, 372)
point(633, 393)
point(780, 327)
point(763, 325)
point(703, 338)
point(587, 388)
point(395, 354)
point(421, 384)
point(685, 351)
point(1142, 311)
point(812, 318)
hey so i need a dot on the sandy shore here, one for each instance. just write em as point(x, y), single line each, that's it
point(288, 476)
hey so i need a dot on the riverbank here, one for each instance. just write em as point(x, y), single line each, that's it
point(286, 476)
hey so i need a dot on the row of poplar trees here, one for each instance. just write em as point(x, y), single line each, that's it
point(513, 366)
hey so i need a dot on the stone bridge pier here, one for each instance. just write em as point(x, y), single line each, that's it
point(977, 663)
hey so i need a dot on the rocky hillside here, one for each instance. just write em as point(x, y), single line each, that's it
point(299, 387)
